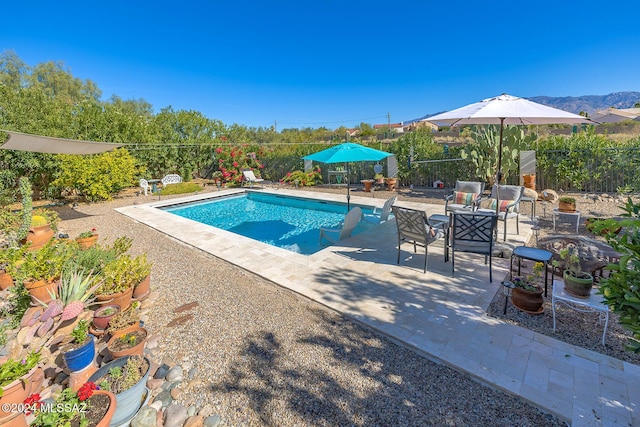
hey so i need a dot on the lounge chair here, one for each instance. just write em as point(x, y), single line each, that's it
point(144, 184)
point(378, 217)
point(466, 195)
point(250, 177)
point(473, 232)
point(509, 200)
point(414, 227)
point(334, 235)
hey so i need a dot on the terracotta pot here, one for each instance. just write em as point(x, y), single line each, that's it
point(566, 207)
point(367, 184)
point(6, 281)
point(37, 237)
point(391, 183)
point(577, 286)
point(40, 290)
point(123, 299)
point(87, 242)
point(527, 301)
point(106, 420)
point(100, 319)
point(17, 419)
point(142, 290)
point(17, 391)
point(529, 181)
point(136, 349)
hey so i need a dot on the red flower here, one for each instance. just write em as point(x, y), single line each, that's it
point(86, 391)
point(235, 164)
point(32, 402)
point(218, 150)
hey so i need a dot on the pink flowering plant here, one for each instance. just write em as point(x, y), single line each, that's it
point(232, 160)
point(305, 179)
point(87, 234)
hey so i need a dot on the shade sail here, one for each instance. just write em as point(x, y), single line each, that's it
point(45, 144)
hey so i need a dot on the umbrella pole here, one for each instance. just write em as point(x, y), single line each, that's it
point(348, 190)
point(499, 173)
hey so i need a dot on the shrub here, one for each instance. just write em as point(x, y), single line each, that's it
point(305, 179)
point(180, 188)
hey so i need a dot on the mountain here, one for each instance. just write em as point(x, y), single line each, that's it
point(590, 103)
point(576, 104)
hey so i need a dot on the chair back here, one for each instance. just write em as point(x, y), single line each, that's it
point(414, 225)
point(512, 193)
point(473, 232)
point(144, 183)
point(172, 178)
point(469, 187)
point(386, 209)
point(351, 220)
point(249, 175)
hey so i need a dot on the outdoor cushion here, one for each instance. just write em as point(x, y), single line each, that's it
point(462, 198)
point(503, 204)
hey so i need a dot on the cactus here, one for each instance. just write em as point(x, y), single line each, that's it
point(45, 327)
point(72, 310)
point(483, 152)
point(38, 221)
point(53, 309)
point(27, 207)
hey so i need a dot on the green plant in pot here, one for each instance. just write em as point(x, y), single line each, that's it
point(16, 382)
point(118, 279)
point(576, 281)
point(567, 204)
point(79, 352)
point(379, 178)
point(526, 294)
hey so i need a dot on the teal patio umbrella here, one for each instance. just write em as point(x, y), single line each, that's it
point(345, 153)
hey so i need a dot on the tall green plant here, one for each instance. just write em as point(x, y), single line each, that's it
point(27, 207)
point(483, 151)
point(621, 290)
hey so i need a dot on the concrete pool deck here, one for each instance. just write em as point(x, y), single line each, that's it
point(440, 315)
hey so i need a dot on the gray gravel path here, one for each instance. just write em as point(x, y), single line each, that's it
point(267, 356)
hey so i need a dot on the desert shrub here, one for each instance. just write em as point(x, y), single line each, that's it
point(180, 188)
point(97, 177)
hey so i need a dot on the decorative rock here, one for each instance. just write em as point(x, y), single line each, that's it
point(157, 405)
point(153, 368)
point(176, 393)
point(164, 397)
point(194, 383)
point(154, 383)
point(194, 421)
point(191, 411)
point(550, 195)
point(528, 192)
point(152, 341)
point(175, 415)
point(206, 410)
point(170, 386)
point(192, 373)
point(146, 417)
point(212, 421)
point(60, 378)
point(160, 419)
point(175, 374)
point(162, 371)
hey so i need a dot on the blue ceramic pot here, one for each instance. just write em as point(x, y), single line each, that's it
point(81, 357)
point(130, 400)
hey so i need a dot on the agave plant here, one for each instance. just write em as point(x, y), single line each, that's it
point(76, 287)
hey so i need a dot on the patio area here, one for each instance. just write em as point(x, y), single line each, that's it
point(441, 316)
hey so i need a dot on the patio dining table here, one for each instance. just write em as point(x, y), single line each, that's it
point(154, 184)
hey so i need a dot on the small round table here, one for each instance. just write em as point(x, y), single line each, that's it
point(557, 212)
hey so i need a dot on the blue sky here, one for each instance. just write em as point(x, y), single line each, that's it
point(331, 63)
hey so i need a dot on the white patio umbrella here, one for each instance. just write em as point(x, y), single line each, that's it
point(506, 110)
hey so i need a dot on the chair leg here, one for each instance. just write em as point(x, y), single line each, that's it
point(504, 238)
point(399, 242)
point(490, 271)
point(453, 261)
point(426, 257)
point(518, 224)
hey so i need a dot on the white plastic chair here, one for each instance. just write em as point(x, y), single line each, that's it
point(378, 217)
point(250, 177)
point(351, 219)
point(145, 185)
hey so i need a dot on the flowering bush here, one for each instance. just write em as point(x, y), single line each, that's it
point(305, 179)
point(87, 234)
point(530, 281)
point(232, 160)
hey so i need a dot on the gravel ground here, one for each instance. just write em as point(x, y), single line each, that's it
point(267, 356)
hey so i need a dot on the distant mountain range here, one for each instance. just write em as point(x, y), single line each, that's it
point(576, 104)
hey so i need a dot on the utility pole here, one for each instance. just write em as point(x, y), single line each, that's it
point(389, 122)
point(275, 126)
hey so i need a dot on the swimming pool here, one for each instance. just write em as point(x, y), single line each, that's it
point(287, 222)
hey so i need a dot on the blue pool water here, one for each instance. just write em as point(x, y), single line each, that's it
point(287, 222)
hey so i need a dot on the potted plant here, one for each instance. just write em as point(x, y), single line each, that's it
point(103, 315)
point(367, 184)
point(141, 269)
point(80, 351)
point(15, 381)
point(86, 407)
point(126, 378)
point(567, 204)
point(118, 280)
point(128, 342)
point(10, 259)
point(125, 319)
point(40, 269)
point(39, 233)
point(576, 281)
point(526, 294)
point(379, 178)
point(86, 239)
point(217, 178)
